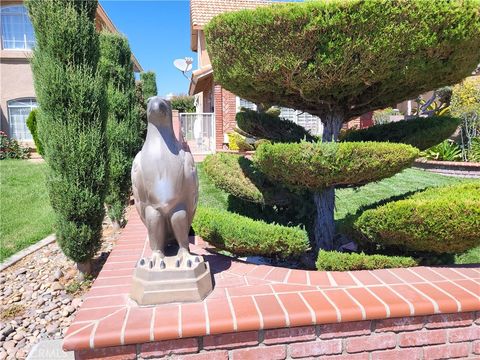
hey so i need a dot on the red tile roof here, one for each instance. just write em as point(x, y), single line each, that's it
point(202, 11)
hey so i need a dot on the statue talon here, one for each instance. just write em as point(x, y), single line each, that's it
point(162, 264)
point(157, 258)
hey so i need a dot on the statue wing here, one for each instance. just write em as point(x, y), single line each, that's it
point(191, 178)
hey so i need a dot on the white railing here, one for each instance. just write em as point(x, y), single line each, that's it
point(199, 131)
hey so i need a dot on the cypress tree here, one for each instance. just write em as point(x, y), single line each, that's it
point(149, 84)
point(124, 126)
point(72, 121)
point(141, 107)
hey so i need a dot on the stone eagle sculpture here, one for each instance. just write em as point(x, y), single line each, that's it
point(165, 188)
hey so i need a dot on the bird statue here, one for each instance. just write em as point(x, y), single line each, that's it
point(165, 188)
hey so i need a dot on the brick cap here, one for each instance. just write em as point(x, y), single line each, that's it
point(249, 297)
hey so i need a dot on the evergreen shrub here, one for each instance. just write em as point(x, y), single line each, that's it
point(72, 120)
point(32, 126)
point(422, 133)
point(440, 220)
point(271, 127)
point(124, 125)
point(247, 237)
point(149, 84)
point(320, 165)
point(338, 261)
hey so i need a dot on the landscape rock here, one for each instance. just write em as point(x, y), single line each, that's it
point(33, 292)
point(20, 271)
point(57, 286)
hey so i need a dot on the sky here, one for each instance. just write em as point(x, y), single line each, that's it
point(158, 32)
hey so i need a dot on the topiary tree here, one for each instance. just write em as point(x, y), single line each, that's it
point(124, 125)
point(32, 126)
point(149, 84)
point(339, 60)
point(72, 121)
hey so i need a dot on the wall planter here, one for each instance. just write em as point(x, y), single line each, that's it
point(259, 311)
point(450, 168)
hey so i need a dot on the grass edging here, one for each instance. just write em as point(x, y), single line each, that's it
point(27, 251)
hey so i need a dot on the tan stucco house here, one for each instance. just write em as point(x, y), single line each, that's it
point(17, 94)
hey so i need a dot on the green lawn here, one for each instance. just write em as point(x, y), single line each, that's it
point(25, 213)
point(349, 201)
point(26, 216)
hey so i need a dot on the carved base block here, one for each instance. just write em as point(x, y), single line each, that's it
point(172, 281)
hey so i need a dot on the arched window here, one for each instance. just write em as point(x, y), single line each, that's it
point(18, 111)
point(17, 30)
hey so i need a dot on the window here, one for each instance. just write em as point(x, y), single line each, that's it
point(17, 30)
point(242, 103)
point(18, 111)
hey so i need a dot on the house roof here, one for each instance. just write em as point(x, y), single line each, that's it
point(201, 80)
point(202, 11)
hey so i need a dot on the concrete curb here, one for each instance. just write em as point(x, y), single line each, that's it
point(31, 249)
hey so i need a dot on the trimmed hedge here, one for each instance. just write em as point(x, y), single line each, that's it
point(247, 237)
point(441, 220)
point(338, 261)
point(271, 127)
point(422, 133)
point(320, 165)
point(239, 177)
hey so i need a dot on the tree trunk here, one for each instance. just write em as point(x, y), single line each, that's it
point(332, 123)
point(84, 269)
point(324, 226)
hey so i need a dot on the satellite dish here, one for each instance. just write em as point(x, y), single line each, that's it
point(183, 65)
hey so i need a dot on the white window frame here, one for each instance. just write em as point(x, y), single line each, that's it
point(32, 105)
point(22, 12)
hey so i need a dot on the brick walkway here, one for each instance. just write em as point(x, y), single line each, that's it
point(250, 297)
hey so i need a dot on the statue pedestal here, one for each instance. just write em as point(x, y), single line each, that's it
point(179, 281)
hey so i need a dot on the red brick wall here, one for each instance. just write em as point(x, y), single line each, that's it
point(445, 336)
point(229, 111)
point(225, 111)
point(218, 100)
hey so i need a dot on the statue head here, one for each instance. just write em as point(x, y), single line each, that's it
point(159, 111)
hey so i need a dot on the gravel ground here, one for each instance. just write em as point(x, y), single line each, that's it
point(39, 296)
